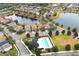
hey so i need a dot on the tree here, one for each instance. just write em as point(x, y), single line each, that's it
point(36, 34)
point(9, 39)
point(37, 52)
point(23, 26)
point(76, 47)
point(61, 26)
point(16, 21)
point(57, 24)
point(50, 33)
point(68, 33)
point(11, 29)
point(75, 34)
point(49, 50)
point(63, 32)
point(55, 49)
point(68, 28)
point(57, 33)
point(28, 35)
point(74, 30)
point(55, 14)
point(67, 47)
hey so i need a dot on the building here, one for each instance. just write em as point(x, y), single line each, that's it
point(4, 44)
point(73, 6)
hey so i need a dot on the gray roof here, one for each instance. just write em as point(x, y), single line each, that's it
point(4, 42)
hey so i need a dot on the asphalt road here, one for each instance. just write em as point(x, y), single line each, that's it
point(23, 50)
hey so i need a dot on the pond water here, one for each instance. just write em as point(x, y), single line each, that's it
point(69, 19)
point(23, 20)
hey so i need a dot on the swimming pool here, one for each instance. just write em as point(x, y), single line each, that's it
point(44, 42)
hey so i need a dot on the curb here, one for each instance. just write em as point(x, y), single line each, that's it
point(17, 50)
point(27, 48)
point(59, 52)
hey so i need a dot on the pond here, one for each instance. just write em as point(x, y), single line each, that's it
point(23, 20)
point(69, 19)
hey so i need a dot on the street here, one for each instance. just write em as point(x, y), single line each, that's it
point(23, 50)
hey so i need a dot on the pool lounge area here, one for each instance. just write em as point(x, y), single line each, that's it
point(44, 42)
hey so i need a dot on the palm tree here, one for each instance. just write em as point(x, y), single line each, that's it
point(68, 28)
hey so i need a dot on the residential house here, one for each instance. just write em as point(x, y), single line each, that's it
point(4, 44)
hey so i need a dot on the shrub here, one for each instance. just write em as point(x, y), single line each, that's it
point(67, 47)
point(57, 24)
point(76, 47)
point(37, 52)
point(55, 49)
point(11, 29)
point(20, 31)
point(55, 14)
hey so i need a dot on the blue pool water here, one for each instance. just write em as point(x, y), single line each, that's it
point(69, 19)
point(44, 42)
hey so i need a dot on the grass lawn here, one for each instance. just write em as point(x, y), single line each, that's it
point(24, 39)
point(12, 52)
point(62, 40)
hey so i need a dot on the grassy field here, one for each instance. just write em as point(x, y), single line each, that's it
point(62, 40)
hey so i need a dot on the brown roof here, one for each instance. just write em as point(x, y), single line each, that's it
point(2, 38)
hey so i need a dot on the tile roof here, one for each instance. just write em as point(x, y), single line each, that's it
point(2, 38)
